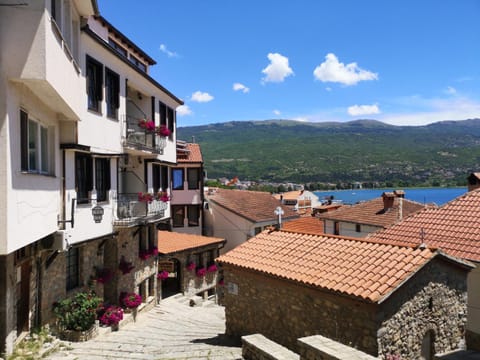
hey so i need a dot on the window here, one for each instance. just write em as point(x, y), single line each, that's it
point(94, 83)
point(102, 178)
point(56, 12)
point(112, 88)
point(35, 145)
point(193, 179)
point(159, 177)
point(258, 230)
point(117, 47)
point(146, 238)
point(358, 228)
point(171, 120)
point(336, 228)
point(73, 268)
point(138, 63)
point(178, 215)
point(193, 212)
point(83, 177)
point(163, 114)
point(177, 179)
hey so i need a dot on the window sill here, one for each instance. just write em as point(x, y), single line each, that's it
point(26, 172)
point(94, 111)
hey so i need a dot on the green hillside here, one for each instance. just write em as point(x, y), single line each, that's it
point(362, 150)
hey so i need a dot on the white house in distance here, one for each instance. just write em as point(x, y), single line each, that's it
point(89, 138)
point(238, 215)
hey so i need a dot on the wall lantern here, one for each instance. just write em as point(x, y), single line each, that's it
point(97, 213)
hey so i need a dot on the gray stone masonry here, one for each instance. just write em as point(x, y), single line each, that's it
point(258, 347)
point(318, 347)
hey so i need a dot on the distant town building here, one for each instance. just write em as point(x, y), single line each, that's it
point(361, 219)
point(238, 215)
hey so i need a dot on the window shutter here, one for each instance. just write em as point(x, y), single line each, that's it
point(24, 140)
point(116, 89)
point(99, 81)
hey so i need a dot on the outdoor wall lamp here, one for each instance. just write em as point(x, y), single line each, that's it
point(97, 212)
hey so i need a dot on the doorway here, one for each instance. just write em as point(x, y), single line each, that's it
point(23, 296)
point(172, 284)
point(428, 349)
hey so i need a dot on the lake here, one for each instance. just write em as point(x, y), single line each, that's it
point(438, 196)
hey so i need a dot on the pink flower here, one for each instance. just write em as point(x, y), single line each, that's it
point(111, 315)
point(212, 268)
point(162, 130)
point(201, 272)
point(191, 266)
point(130, 300)
point(162, 275)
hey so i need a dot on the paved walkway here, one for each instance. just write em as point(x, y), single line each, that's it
point(172, 330)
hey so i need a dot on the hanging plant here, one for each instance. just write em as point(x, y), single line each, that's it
point(125, 266)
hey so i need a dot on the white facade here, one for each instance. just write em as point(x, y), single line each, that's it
point(72, 115)
point(349, 229)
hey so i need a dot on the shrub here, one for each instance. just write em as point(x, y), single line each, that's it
point(111, 315)
point(78, 313)
point(130, 300)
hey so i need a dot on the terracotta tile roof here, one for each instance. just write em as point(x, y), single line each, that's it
point(289, 195)
point(372, 212)
point(170, 242)
point(453, 227)
point(305, 225)
point(354, 267)
point(255, 206)
point(189, 153)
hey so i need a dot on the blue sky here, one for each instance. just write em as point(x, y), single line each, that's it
point(408, 62)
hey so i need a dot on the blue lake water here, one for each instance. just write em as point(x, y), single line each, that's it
point(438, 196)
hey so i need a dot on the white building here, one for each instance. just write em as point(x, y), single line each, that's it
point(84, 129)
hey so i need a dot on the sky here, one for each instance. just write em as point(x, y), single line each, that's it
point(402, 62)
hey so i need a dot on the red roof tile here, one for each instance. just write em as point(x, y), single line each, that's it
point(256, 206)
point(170, 242)
point(305, 225)
point(453, 227)
point(190, 154)
point(333, 263)
point(373, 213)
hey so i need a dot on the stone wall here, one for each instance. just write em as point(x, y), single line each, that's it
point(284, 311)
point(435, 300)
point(53, 276)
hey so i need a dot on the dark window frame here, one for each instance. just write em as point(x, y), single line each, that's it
point(112, 93)
point(72, 268)
point(193, 185)
point(358, 228)
point(193, 215)
point(176, 210)
point(102, 178)
point(94, 80)
point(83, 177)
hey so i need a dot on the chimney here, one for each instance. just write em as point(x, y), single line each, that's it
point(388, 200)
point(399, 193)
point(473, 181)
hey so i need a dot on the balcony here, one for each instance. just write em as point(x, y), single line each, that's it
point(137, 139)
point(131, 211)
point(55, 78)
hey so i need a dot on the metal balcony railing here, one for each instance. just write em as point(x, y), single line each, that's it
point(134, 135)
point(130, 209)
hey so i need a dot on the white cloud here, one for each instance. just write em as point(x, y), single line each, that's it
point(277, 112)
point(184, 110)
point(278, 69)
point(433, 110)
point(357, 110)
point(240, 87)
point(201, 97)
point(163, 48)
point(331, 70)
point(450, 90)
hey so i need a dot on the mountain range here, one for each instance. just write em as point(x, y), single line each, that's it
point(442, 153)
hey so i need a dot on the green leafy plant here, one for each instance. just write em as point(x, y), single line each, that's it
point(78, 313)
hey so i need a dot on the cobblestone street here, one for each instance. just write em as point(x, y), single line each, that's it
point(172, 330)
